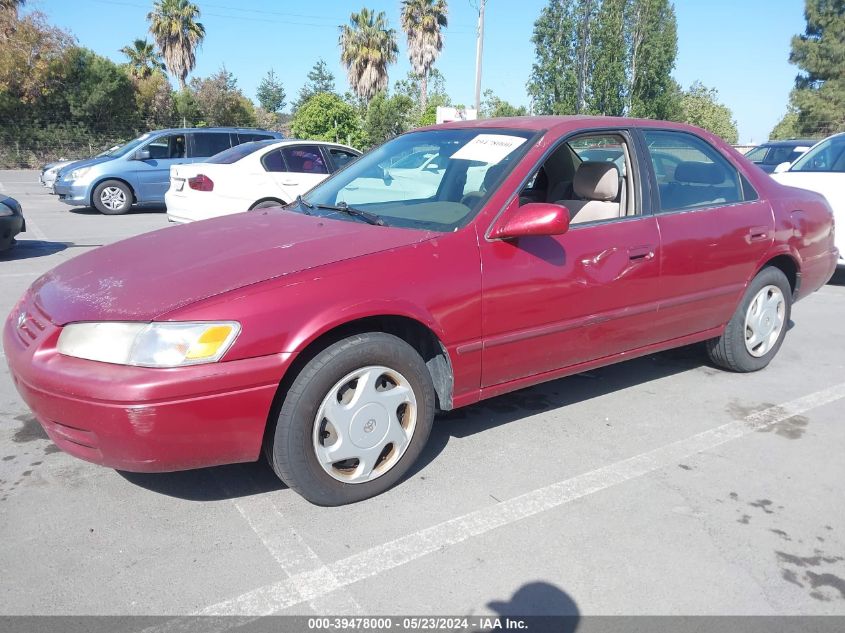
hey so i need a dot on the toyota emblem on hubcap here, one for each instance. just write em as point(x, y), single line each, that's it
point(369, 425)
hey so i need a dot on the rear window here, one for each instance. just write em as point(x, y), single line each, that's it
point(238, 152)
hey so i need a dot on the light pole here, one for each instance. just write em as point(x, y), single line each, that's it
point(479, 50)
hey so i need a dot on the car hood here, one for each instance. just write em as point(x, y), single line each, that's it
point(150, 275)
point(85, 162)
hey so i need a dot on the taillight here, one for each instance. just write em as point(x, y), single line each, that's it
point(201, 183)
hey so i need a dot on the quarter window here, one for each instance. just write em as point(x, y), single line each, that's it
point(273, 161)
point(304, 159)
point(209, 143)
point(691, 173)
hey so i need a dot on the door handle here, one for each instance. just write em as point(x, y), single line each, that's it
point(641, 253)
point(758, 233)
point(290, 183)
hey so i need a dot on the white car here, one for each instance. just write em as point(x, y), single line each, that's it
point(251, 176)
point(822, 169)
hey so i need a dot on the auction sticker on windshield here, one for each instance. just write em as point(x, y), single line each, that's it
point(488, 148)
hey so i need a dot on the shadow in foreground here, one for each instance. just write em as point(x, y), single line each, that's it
point(132, 210)
point(540, 606)
point(29, 249)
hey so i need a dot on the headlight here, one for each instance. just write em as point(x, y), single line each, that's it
point(149, 344)
point(76, 174)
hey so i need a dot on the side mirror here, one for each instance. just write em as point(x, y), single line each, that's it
point(142, 154)
point(535, 218)
point(783, 167)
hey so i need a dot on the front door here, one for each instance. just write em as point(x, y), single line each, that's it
point(153, 174)
point(557, 301)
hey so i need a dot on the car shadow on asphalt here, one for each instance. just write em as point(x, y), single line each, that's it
point(30, 249)
point(838, 278)
point(241, 480)
point(134, 210)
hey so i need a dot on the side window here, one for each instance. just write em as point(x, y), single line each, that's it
point(340, 157)
point(590, 175)
point(273, 161)
point(304, 159)
point(209, 143)
point(690, 172)
point(166, 147)
point(246, 137)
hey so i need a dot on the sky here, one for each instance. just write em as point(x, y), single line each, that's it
point(739, 47)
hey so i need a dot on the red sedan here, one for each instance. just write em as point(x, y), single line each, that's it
point(329, 333)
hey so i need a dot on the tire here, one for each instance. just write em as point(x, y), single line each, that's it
point(112, 197)
point(267, 204)
point(747, 344)
point(330, 407)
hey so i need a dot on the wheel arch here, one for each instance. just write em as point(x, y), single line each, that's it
point(267, 199)
point(100, 181)
point(788, 265)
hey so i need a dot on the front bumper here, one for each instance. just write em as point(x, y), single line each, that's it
point(140, 419)
point(76, 195)
point(10, 226)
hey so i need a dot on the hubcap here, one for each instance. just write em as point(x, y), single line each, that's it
point(764, 321)
point(364, 424)
point(113, 198)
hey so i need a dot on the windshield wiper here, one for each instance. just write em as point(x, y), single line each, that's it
point(302, 202)
point(371, 218)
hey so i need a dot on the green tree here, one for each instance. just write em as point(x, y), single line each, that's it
point(437, 96)
point(607, 60)
point(327, 117)
point(652, 34)
point(367, 48)
point(492, 107)
point(98, 92)
point(320, 79)
point(143, 58)
point(185, 107)
point(221, 102)
point(154, 100)
point(553, 82)
point(387, 117)
point(423, 21)
point(819, 94)
point(700, 106)
point(174, 26)
point(271, 93)
point(788, 127)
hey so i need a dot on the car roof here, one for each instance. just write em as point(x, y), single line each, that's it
point(563, 124)
point(300, 141)
point(809, 142)
point(182, 130)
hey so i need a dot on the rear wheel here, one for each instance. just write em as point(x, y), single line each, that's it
point(756, 331)
point(112, 197)
point(354, 420)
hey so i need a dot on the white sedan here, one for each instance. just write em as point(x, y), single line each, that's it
point(822, 169)
point(251, 176)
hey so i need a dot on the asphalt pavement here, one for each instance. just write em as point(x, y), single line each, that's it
point(656, 486)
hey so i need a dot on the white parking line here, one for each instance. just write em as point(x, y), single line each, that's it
point(32, 227)
point(290, 551)
point(280, 595)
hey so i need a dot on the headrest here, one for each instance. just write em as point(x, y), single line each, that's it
point(596, 180)
point(492, 175)
point(699, 173)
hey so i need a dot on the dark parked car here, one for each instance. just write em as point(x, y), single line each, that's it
point(11, 221)
point(769, 155)
point(327, 334)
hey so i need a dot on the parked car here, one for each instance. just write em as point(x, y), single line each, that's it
point(822, 170)
point(251, 176)
point(50, 171)
point(12, 222)
point(329, 334)
point(769, 155)
point(139, 171)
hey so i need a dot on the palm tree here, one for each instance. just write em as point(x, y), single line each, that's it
point(143, 59)
point(367, 48)
point(178, 35)
point(422, 21)
point(9, 8)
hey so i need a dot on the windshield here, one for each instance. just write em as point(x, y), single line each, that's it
point(758, 154)
point(829, 155)
point(120, 150)
point(462, 167)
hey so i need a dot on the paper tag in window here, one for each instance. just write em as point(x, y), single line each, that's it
point(488, 148)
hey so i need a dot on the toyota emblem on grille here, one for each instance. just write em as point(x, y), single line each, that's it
point(21, 319)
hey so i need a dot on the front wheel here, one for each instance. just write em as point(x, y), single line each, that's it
point(756, 331)
point(354, 420)
point(112, 197)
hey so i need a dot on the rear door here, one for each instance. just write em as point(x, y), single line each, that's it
point(713, 228)
point(305, 167)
